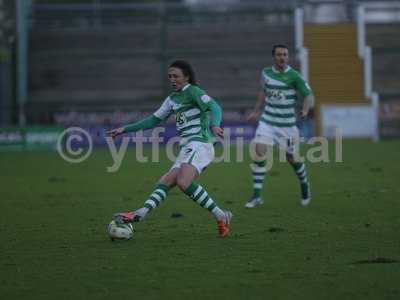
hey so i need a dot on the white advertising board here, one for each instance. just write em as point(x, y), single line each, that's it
point(353, 121)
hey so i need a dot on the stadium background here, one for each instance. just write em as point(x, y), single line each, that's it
point(101, 63)
point(96, 63)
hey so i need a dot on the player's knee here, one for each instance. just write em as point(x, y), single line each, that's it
point(182, 182)
point(168, 179)
point(261, 150)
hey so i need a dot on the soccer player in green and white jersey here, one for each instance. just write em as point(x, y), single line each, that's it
point(191, 105)
point(275, 110)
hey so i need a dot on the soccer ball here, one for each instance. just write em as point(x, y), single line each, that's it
point(118, 231)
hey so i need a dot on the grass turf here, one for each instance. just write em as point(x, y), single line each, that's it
point(344, 245)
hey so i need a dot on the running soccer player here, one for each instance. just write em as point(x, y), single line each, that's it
point(191, 106)
point(277, 121)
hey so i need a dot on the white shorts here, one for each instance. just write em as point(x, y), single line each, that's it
point(197, 154)
point(287, 138)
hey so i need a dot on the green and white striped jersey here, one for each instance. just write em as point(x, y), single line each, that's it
point(281, 90)
point(190, 106)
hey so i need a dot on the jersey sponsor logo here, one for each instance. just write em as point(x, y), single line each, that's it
point(205, 98)
point(180, 119)
point(275, 95)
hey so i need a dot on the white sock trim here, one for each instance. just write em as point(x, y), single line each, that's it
point(151, 202)
point(198, 190)
point(157, 197)
point(162, 192)
point(218, 213)
point(204, 196)
point(257, 169)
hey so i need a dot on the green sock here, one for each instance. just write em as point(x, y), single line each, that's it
point(301, 173)
point(198, 194)
point(157, 196)
point(258, 171)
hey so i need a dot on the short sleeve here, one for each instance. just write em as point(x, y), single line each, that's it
point(302, 86)
point(165, 110)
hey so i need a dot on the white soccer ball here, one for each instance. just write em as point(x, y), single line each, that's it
point(118, 231)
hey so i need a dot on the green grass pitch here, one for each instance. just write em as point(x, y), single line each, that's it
point(345, 245)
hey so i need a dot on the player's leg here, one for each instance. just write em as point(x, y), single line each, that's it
point(200, 156)
point(258, 171)
point(263, 142)
point(298, 167)
point(185, 181)
point(195, 191)
point(301, 173)
point(158, 196)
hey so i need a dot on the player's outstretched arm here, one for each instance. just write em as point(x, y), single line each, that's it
point(147, 123)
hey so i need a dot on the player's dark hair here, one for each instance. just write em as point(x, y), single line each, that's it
point(186, 69)
point(278, 46)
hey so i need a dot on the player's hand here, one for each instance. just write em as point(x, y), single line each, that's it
point(218, 131)
point(303, 114)
point(253, 116)
point(115, 132)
